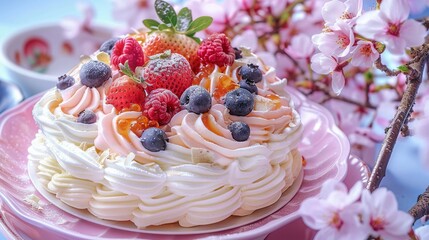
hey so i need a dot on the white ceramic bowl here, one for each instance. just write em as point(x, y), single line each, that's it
point(35, 57)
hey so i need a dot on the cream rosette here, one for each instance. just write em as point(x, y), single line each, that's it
point(110, 138)
point(112, 205)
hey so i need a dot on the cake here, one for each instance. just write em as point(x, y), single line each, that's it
point(158, 139)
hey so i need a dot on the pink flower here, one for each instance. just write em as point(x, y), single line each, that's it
point(322, 64)
point(224, 14)
point(301, 47)
point(390, 26)
point(337, 42)
point(417, 6)
point(422, 232)
point(335, 214)
point(383, 217)
point(336, 10)
point(132, 12)
point(364, 55)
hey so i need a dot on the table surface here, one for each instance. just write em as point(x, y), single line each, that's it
point(15, 15)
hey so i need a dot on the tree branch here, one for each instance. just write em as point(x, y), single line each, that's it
point(414, 79)
point(381, 66)
point(421, 208)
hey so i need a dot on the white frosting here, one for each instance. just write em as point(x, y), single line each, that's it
point(203, 176)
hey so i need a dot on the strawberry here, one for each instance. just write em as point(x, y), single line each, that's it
point(176, 33)
point(127, 49)
point(125, 91)
point(168, 70)
point(158, 42)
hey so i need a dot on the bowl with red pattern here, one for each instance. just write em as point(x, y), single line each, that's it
point(36, 56)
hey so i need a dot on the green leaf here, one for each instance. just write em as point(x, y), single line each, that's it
point(163, 26)
point(184, 19)
point(166, 12)
point(151, 24)
point(404, 69)
point(196, 39)
point(199, 24)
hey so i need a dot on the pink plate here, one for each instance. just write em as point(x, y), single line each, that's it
point(324, 146)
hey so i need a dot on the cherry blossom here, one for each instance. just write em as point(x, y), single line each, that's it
point(301, 47)
point(322, 64)
point(364, 55)
point(417, 6)
point(390, 26)
point(383, 217)
point(422, 232)
point(132, 12)
point(336, 10)
point(336, 42)
point(335, 214)
point(224, 14)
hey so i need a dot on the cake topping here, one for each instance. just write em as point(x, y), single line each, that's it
point(154, 139)
point(107, 46)
point(124, 92)
point(249, 86)
point(161, 105)
point(94, 73)
point(237, 53)
point(196, 99)
point(251, 73)
point(127, 49)
point(87, 117)
point(65, 81)
point(239, 102)
point(240, 131)
point(175, 33)
point(217, 49)
point(170, 71)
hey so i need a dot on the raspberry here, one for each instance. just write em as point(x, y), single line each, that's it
point(217, 49)
point(127, 49)
point(161, 105)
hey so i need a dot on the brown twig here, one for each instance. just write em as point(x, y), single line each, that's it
point(384, 68)
point(414, 79)
point(421, 208)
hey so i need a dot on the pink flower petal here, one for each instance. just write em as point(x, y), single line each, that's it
point(322, 64)
point(333, 10)
point(315, 213)
point(413, 33)
point(370, 24)
point(396, 11)
point(338, 82)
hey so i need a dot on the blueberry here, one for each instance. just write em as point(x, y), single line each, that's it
point(65, 81)
point(94, 73)
point(251, 72)
point(196, 99)
point(240, 131)
point(87, 117)
point(237, 53)
point(154, 139)
point(239, 102)
point(249, 86)
point(107, 46)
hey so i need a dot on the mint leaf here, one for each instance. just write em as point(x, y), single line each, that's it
point(184, 19)
point(166, 12)
point(199, 24)
point(151, 24)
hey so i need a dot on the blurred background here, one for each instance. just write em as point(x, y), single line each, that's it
point(41, 40)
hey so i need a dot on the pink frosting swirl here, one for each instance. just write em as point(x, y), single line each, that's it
point(79, 97)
